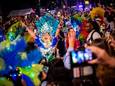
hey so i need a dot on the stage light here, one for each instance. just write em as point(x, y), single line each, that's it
point(86, 2)
point(81, 6)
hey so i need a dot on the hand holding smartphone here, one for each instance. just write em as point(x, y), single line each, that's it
point(80, 57)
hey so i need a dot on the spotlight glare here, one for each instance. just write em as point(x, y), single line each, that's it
point(87, 2)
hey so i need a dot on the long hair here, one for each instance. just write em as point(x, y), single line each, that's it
point(76, 43)
point(95, 25)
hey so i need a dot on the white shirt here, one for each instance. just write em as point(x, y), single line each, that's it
point(67, 63)
point(95, 35)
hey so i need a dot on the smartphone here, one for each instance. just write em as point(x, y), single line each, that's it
point(81, 56)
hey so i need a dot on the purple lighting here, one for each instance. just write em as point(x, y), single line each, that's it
point(80, 6)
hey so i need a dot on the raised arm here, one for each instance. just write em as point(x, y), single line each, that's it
point(60, 26)
point(29, 30)
point(57, 32)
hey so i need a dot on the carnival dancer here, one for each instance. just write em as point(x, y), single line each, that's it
point(46, 40)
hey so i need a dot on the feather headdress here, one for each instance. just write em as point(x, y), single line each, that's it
point(47, 23)
point(98, 11)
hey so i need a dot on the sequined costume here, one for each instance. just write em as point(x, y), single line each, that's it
point(48, 53)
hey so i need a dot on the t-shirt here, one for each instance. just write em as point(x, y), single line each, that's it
point(92, 36)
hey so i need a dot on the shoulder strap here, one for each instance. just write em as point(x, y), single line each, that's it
point(91, 38)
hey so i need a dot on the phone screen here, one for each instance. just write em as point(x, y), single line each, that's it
point(81, 56)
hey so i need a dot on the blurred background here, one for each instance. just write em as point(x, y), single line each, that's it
point(7, 5)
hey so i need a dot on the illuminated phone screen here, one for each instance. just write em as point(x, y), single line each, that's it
point(79, 57)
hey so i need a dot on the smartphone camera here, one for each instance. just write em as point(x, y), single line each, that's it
point(81, 56)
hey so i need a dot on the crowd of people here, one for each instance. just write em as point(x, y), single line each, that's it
point(35, 50)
